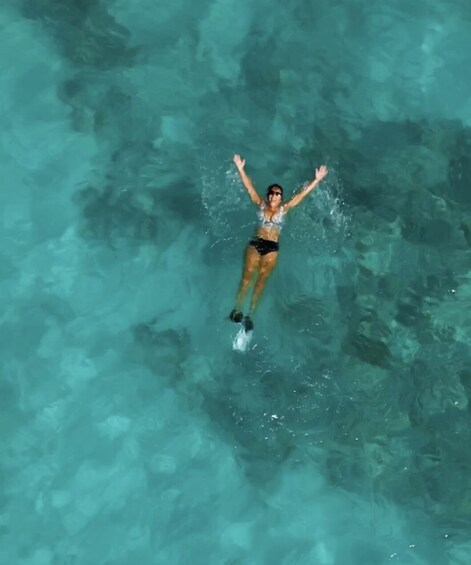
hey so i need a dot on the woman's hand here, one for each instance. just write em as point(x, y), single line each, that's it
point(321, 173)
point(239, 162)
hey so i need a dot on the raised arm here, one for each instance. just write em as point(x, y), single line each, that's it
point(240, 164)
point(321, 173)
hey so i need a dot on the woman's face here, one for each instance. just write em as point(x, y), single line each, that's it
point(274, 195)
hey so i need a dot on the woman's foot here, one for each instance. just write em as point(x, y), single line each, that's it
point(236, 316)
point(248, 324)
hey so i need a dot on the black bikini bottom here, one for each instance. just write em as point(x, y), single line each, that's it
point(264, 246)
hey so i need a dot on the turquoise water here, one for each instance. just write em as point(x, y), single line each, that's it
point(131, 430)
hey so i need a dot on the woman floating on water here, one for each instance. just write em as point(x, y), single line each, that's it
point(262, 252)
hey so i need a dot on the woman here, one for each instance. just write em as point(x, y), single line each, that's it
point(262, 252)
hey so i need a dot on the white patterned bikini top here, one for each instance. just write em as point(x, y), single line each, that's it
point(276, 222)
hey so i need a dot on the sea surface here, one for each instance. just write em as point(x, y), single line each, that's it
point(136, 427)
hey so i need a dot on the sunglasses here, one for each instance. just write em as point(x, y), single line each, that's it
point(274, 192)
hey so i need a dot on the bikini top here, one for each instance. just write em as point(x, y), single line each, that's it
point(276, 222)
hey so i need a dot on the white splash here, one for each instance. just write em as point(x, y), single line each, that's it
point(242, 340)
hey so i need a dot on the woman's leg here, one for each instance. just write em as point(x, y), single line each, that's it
point(267, 264)
point(251, 266)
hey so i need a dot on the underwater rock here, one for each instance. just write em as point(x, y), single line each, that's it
point(164, 352)
point(410, 315)
point(459, 178)
point(109, 214)
point(305, 312)
point(458, 551)
point(429, 232)
point(465, 227)
point(367, 381)
point(87, 34)
point(441, 400)
point(465, 379)
point(72, 12)
point(370, 350)
point(441, 394)
point(377, 459)
point(263, 444)
point(344, 467)
point(436, 232)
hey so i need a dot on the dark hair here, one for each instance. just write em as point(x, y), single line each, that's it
point(275, 186)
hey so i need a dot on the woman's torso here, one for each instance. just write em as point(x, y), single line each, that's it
point(270, 222)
